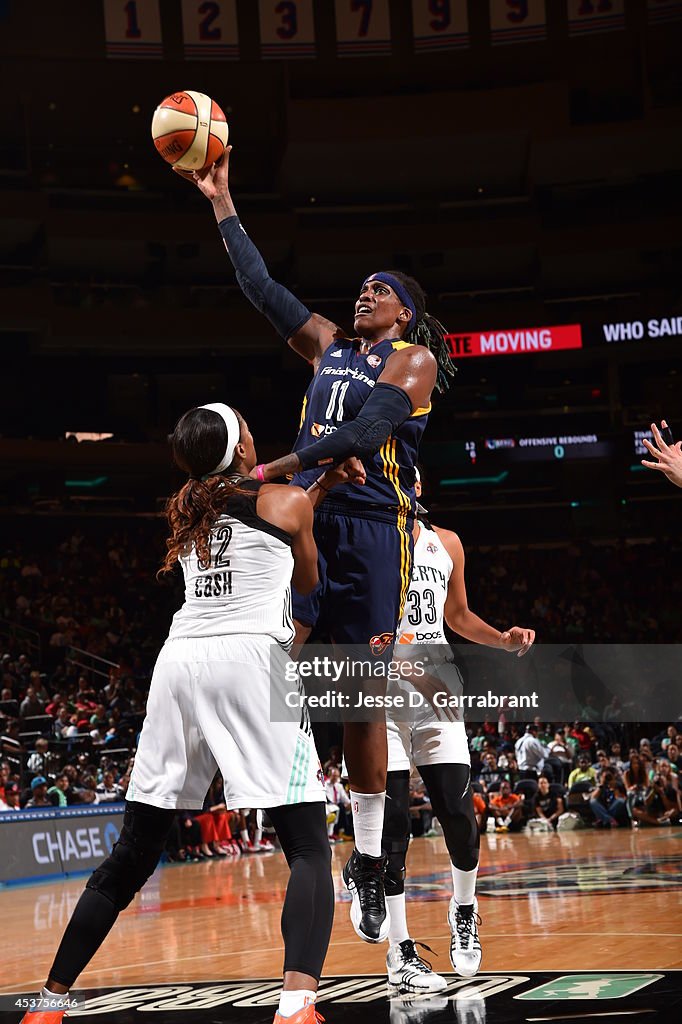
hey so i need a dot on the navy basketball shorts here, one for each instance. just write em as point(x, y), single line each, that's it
point(364, 564)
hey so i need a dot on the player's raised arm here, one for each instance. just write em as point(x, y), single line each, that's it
point(462, 620)
point(309, 334)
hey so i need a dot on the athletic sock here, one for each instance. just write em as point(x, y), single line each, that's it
point(465, 885)
point(257, 836)
point(398, 931)
point(292, 1002)
point(46, 994)
point(368, 821)
point(245, 836)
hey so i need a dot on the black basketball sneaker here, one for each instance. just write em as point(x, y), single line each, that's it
point(363, 877)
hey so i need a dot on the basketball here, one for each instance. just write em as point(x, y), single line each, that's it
point(189, 130)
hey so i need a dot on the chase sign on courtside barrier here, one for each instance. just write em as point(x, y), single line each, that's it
point(43, 844)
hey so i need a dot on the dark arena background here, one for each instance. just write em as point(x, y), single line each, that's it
point(523, 160)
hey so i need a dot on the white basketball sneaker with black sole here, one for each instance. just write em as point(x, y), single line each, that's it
point(409, 971)
point(465, 945)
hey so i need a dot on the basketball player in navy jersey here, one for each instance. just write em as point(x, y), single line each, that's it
point(240, 544)
point(439, 751)
point(369, 397)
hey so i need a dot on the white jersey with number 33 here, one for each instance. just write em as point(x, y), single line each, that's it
point(422, 621)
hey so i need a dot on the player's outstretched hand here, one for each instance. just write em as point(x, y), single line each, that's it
point(212, 181)
point(518, 639)
point(351, 471)
point(668, 456)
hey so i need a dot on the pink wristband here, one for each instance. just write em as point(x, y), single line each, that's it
point(260, 474)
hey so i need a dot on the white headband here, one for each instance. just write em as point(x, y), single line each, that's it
point(231, 422)
point(417, 476)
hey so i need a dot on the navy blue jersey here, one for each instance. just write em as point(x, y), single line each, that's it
point(337, 392)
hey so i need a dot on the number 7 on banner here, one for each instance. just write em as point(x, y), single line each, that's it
point(133, 29)
point(363, 28)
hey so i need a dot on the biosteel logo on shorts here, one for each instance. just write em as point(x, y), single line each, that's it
point(379, 643)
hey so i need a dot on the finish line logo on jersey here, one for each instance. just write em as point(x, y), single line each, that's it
point(321, 429)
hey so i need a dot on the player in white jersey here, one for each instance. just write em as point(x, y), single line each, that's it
point(240, 545)
point(440, 753)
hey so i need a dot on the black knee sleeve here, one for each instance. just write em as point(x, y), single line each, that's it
point(111, 888)
point(135, 854)
point(450, 793)
point(396, 835)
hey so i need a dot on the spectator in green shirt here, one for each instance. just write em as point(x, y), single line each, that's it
point(583, 773)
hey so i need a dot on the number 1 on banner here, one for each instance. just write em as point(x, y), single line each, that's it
point(133, 29)
point(517, 21)
point(588, 16)
point(440, 25)
point(362, 28)
point(210, 29)
point(286, 29)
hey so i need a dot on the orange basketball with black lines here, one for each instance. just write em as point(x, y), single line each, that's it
point(189, 130)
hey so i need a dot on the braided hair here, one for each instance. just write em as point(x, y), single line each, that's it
point(428, 331)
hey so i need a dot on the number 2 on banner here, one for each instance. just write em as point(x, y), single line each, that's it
point(208, 32)
point(365, 8)
point(288, 13)
point(441, 15)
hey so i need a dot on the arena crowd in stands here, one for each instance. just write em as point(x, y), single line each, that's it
point(69, 724)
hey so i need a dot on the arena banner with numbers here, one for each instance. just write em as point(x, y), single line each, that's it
point(363, 28)
point(440, 25)
point(517, 21)
point(133, 29)
point(588, 16)
point(661, 11)
point(210, 29)
point(287, 29)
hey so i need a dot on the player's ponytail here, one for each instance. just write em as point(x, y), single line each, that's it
point(430, 332)
point(192, 512)
point(426, 330)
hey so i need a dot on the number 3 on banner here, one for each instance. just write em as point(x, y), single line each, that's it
point(440, 15)
point(365, 8)
point(288, 12)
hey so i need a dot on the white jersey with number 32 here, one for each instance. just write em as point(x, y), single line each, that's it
point(246, 588)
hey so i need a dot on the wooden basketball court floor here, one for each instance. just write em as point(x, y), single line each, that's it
point(607, 905)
